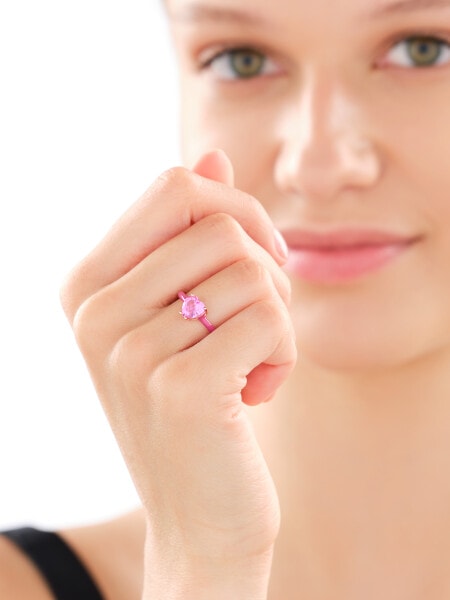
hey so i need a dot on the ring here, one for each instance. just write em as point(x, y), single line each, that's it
point(193, 308)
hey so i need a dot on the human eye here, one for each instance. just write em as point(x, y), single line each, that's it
point(237, 63)
point(420, 51)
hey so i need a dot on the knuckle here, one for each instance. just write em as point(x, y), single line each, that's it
point(270, 283)
point(222, 222)
point(87, 322)
point(250, 271)
point(130, 360)
point(161, 382)
point(176, 180)
point(228, 231)
point(172, 374)
point(278, 327)
point(272, 313)
point(171, 397)
point(286, 287)
point(66, 298)
point(71, 290)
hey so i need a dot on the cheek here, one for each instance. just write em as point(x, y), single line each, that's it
point(425, 152)
point(416, 129)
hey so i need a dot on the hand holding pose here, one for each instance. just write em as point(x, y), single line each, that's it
point(335, 117)
point(173, 392)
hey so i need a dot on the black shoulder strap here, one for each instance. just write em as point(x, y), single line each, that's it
point(64, 572)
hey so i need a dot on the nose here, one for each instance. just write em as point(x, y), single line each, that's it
point(325, 146)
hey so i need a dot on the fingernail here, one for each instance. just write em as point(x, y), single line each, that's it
point(280, 244)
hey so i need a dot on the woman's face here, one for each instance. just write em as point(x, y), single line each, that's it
point(335, 115)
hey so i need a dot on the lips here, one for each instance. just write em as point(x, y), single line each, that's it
point(344, 254)
point(343, 238)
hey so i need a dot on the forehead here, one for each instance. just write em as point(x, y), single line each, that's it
point(258, 12)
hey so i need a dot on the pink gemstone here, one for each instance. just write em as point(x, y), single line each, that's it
point(192, 308)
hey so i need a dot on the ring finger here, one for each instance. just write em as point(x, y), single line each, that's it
point(225, 294)
point(208, 247)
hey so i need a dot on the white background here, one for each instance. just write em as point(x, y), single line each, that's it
point(88, 119)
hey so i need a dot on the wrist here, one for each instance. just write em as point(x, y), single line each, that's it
point(178, 576)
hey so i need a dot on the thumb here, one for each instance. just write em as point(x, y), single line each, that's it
point(217, 166)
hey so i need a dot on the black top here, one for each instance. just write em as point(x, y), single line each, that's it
point(63, 571)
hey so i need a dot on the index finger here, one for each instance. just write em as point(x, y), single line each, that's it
point(175, 201)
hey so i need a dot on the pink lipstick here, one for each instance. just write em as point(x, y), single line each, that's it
point(342, 255)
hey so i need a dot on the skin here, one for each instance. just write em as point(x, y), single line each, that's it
point(355, 436)
point(358, 439)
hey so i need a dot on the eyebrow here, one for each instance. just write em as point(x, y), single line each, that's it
point(203, 13)
point(404, 6)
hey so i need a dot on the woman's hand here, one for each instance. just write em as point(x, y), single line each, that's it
point(174, 393)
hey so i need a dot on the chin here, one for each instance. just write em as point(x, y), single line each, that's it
point(358, 340)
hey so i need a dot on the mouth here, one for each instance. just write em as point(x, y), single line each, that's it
point(342, 255)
